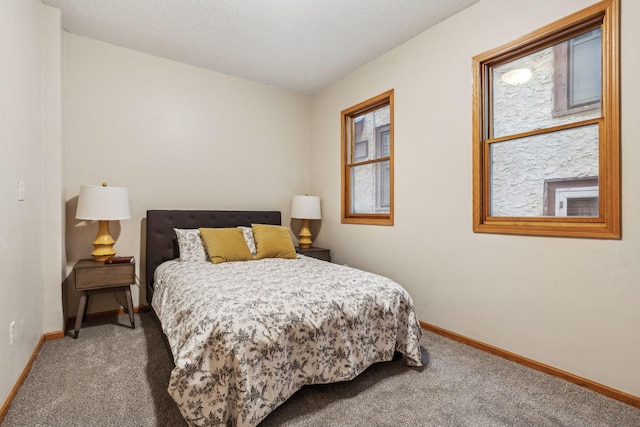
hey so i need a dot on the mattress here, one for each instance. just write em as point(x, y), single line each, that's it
point(245, 336)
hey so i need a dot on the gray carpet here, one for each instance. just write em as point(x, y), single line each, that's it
point(115, 376)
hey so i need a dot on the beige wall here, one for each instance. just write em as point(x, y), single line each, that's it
point(53, 243)
point(569, 303)
point(178, 137)
point(29, 133)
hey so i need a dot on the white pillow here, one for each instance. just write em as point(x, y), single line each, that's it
point(247, 232)
point(190, 245)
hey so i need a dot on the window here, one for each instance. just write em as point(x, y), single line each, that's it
point(546, 125)
point(383, 150)
point(560, 197)
point(367, 161)
point(577, 73)
point(576, 201)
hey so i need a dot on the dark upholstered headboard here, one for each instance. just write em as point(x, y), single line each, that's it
point(162, 243)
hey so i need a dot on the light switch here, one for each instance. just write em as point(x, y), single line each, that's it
point(21, 190)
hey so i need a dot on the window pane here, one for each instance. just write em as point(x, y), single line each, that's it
point(368, 137)
point(361, 151)
point(383, 184)
point(527, 92)
point(385, 142)
point(582, 206)
point(585, 72)
point(520, 167)
point(576, 201)
point(370, 188)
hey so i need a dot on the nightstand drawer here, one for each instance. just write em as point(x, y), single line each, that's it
point(104, 276)
point(314, 252)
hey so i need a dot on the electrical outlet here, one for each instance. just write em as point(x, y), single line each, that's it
point(12, 332)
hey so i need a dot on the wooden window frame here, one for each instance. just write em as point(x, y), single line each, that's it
point(347, 132)
point(607, 225)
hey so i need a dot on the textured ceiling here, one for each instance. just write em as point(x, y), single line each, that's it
point(299, 45)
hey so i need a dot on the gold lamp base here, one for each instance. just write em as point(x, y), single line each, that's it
point(304, 238)
point(104, 243)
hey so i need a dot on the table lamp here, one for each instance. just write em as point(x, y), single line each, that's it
point(103, 204)
point(305, 208)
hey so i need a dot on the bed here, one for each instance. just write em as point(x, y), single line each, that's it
point(245, 336)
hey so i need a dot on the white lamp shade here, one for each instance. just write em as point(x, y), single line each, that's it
point(306, 207)
point(102, 203)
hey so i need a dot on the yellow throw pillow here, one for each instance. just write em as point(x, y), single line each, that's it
point(273, 241)
point(225, 244)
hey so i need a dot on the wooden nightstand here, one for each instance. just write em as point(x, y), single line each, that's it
point(313, 252)
point(93, 277)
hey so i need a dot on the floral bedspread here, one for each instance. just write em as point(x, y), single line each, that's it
point(245, 336)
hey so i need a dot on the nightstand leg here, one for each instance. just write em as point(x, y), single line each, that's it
point(81, 309)
point(127, 292)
